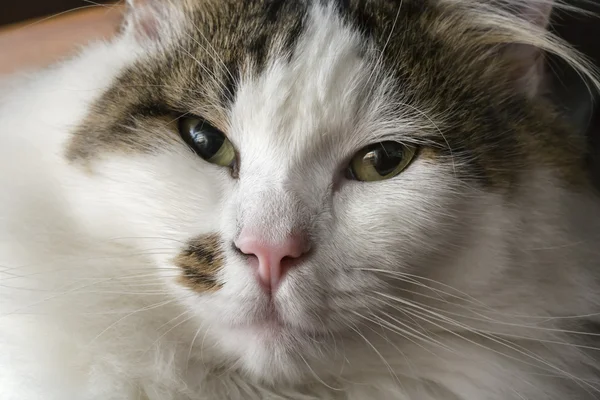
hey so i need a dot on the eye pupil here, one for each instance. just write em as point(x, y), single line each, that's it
point(380, 161)
point(385, 158)
point(207, 141)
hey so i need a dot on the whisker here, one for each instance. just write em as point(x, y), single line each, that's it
point(511, 346)
point(420, 312)
point(385, 362)
point(477, 316)
point(147, 237)
point(210, 75)
point(189, 357)
point(75, 259)
point(171, 329)
point(400, 275)
point(215, 53)
point(39, 21)
point(387, 43)
point(406, 335)
point(314, 374)
point(148, 308)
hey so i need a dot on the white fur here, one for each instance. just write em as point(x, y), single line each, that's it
point(90, 307)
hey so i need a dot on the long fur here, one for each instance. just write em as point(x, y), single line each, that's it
point(472, 275)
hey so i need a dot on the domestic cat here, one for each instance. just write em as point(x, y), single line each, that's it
point(300, 199)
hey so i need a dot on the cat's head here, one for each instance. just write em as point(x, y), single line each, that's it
point(299, 168)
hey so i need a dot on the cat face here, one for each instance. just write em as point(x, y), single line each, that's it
point(303, 166)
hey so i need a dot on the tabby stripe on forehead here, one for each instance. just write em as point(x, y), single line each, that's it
point(231, 77)
point(422, 44)
point(273, 10)
point(342, 5)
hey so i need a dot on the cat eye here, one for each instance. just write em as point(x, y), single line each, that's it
point(381, 161)
point(207, 141)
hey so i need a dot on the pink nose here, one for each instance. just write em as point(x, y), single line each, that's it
point(273, 259)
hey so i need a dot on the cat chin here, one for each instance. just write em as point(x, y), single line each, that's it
point(271, 360)
point(271, 352)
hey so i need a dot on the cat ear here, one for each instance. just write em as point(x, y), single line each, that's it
point(151, 20)
point(527, 60)
point(143, 19)
point(537, 12)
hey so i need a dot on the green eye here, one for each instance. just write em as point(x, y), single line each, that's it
point(381, 161)
point(207, 141)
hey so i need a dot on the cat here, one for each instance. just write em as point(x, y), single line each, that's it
point(300, 199)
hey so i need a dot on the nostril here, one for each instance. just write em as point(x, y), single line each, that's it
point(295, 250)
point(272, 259)
point(249, 256)
point(290, 262)
point(290, 249)
point(236, 249)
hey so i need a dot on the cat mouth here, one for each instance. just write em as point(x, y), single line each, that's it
point(268, 319)
point(272, 326)
point(271, 319)
point(276, 331)
point(270, 330)
point(269, 322)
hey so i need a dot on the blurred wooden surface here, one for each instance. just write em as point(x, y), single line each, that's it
point(14, 11)
point(39, 43)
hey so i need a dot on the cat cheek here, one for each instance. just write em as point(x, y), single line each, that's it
point(200, 263)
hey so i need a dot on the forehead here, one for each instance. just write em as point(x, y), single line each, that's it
point(300, 73)
point(300, 77)
point(283, 69)
point(318, 91)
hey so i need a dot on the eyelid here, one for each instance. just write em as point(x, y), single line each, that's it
point(212, 123)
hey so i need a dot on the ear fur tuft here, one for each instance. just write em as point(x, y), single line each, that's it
point(153, 21)
point(528, 60)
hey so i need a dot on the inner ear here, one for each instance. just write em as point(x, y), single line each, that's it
point(527, 67)
point(148, 20)
point(536, 12)
point(526, 61)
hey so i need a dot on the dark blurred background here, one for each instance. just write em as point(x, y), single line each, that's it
point(569, 91)
point(13, 11)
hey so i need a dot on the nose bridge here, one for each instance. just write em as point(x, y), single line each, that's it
point(272, 231)
point(274, 211)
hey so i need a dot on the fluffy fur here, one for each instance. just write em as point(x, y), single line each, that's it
point(472, 275)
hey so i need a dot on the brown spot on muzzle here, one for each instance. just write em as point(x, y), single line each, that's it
point(200, 263)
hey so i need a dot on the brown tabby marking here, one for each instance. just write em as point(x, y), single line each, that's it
point(200, 263)
point(485, 126)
